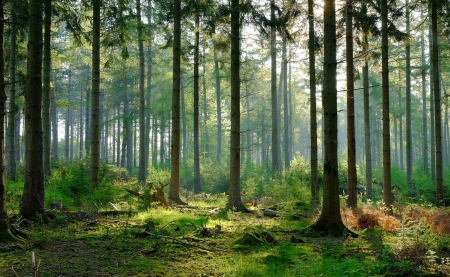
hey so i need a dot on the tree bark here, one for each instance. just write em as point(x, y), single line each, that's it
point(174, 190)
point(234, 197)
point(409, 161)
point(143, 135)
point(46, 88)
point(313, 108)
point(367, 139)
point(437, 106)
point(33, 197)
point(351, 142)
point(330, 222)
point(218, 103)
point(287, 144)
point(197, 181)
point(95, 106)
point(11, 169)
point(424, 105)
point(386, 115)
point(276, 167)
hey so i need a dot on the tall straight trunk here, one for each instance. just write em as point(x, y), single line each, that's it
point(135, 153)
point(291, 108)
point(95, 106)
point(155, 143)
point(205, 110)
point(161, 141)
point(72, 135)
point(119, 137)
point(174, 190)
point(46, 89)
point(123, 149)
point(106, 138)
point(87, 133)
point(330, 221)
point(400, 119)
point(276, 167)
point(287, 144)
point(351, 142)
point(396, 140)
point(128, 137)
point(424, 104)
point(234, 197)
point(248, 153)
point(33, 197)
point(197, 181)
point(367, 138)
point(11, 162)
point(409, 160)
point(312, 107)
point(5, 232)
point(446, 127)
point(17, 147)
point(143, 134)
point(432, 109)
point(149, 88)
point(81, 142)
point(54, 121)
point(437, 106)
point(184, 121)
point(387, 197)
point(67, 127)
point(218, 103)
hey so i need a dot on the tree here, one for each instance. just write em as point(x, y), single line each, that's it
point(367, 140)
point(313, 108)
point(95, 105)
point(11, 169)
point(437, 106)
point(174, 190)
point(387, 197)
point(276, 159)
point(143, 136)
point(46, 88)
point(234, 197)
point(409, 161)
point(33, 197)
point(351, 142)
point(424, 103)
point(330, 221)
point(197, 181)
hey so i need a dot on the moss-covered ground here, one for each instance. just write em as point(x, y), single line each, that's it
point(204, 240)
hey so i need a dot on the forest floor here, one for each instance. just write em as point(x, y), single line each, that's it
point(202, 240)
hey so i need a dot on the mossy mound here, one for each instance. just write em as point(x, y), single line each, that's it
point(256, 238)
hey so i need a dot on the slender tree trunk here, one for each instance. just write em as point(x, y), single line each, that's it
point(351, 142)
point(33, 197)
point(87, 139)
point(387, 198)
point(106, 137)
point(273, 55)
point(424, 105)
point(119, 136)
point(313, 108)
point(11, 161)
point(143, 135)
point(437, 107)
point(184, 121)
point(162, 130)
point(54, 121)
point(205, 110)
point(46, 89)
point(409, 161)
point(400, 119)
point(287, 145)
point(218, 103)
point(432, 107)
point(197, 181)
point(81, 154)
point(234, 197)
point(149, 89)
point(95, 106)
point(128, 138)
point(155, 143)
point(367, 139)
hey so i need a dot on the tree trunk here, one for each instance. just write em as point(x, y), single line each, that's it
point(81, 133)
point(95, 106)
point(128, 138)
point(437, 106)
point(54, 121)
point(87, 133)
point(118, 136)
point(386, 115)
point(218, 103)
point(351, 142)
point(174, 190)
point(287, 145)
point(424, 105)
point(197, 181)
point(234, 197)
point(313, 108)
point(184, 121)
point(143, 135)
point(276, 167)
point(205, 110)
point(11, 162)
point(409, 161)
point(46, 89)
point(330, 222)
point(33, 197)
point(149, 89)
point(367, 139)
